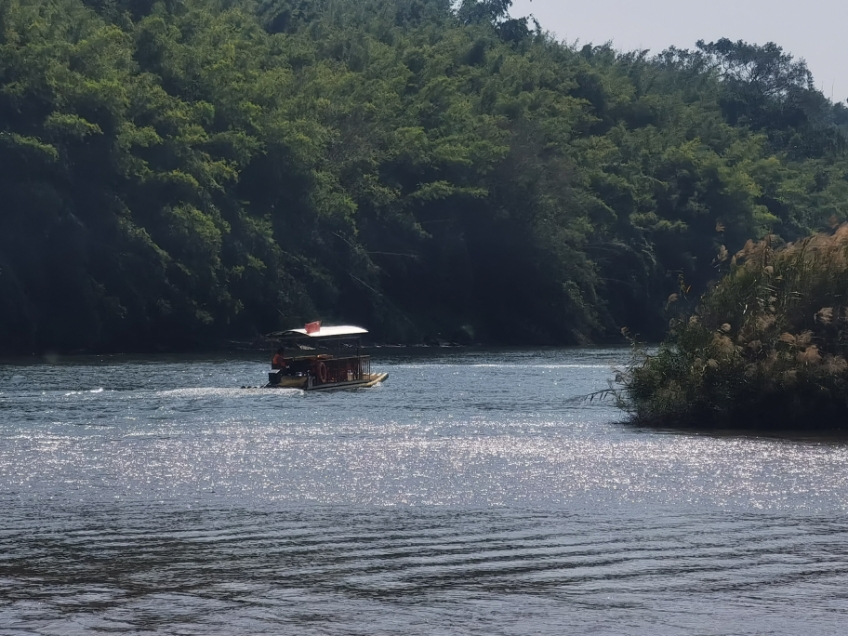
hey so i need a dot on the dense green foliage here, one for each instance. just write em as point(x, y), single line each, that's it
point(766, 349)
point(176, 172)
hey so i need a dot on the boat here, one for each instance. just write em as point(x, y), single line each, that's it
point(343, 367)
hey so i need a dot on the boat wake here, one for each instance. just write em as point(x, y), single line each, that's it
point(225, 392)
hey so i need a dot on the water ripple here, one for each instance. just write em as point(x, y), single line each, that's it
point(472, 494)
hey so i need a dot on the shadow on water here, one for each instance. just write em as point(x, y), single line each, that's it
point(826, 435)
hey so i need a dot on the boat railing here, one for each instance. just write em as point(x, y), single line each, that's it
point(329, 369)
point(346, 369)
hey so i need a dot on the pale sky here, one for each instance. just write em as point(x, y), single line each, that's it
point(815, 30)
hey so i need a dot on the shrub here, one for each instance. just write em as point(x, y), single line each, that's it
point(766, 348)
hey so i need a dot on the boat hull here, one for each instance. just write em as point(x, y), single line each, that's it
point(368, 380)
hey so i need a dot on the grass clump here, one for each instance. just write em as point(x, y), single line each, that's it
point(766, 349)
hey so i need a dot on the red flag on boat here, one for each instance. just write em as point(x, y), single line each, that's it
point(313, 327)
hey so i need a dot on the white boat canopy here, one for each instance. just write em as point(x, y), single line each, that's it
point(339, 331)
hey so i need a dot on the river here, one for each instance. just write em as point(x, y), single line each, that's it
point(469, 494)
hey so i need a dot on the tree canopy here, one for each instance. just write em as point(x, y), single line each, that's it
point(178, 172)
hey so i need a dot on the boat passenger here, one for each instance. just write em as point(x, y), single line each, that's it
point(279, 362)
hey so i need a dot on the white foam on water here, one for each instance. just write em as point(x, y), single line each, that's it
point(227, 392)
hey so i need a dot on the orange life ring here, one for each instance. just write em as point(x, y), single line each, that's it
point(322, 372)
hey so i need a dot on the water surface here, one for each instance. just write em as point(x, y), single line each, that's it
point(470, 494)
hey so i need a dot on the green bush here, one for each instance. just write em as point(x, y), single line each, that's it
point(766, 349)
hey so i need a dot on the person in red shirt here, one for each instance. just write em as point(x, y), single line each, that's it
point(279, 362)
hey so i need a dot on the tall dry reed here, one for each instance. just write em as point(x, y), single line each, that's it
point(767, 348)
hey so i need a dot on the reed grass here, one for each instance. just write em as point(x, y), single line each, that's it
point(766, 348)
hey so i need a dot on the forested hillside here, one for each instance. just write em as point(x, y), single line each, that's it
point(178, 172)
